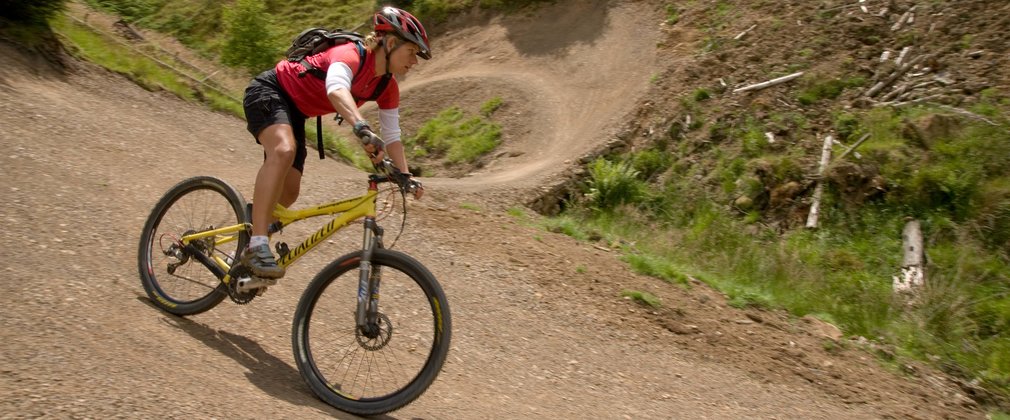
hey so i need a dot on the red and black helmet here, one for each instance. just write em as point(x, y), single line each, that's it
point(405, 25)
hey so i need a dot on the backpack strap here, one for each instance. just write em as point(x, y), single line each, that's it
point(309, 68)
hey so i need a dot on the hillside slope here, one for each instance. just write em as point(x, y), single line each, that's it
point(540, 329)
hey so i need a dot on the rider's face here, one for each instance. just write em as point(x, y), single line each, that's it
point(403, 58)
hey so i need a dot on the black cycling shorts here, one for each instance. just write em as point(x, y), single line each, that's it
point(267, 104)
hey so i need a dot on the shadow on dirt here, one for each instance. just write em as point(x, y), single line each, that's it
point(267, 372)
point(557, 27)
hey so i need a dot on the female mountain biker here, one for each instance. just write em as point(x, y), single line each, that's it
point(278, 101)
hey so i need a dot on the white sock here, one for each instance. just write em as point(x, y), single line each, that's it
point(259, 240)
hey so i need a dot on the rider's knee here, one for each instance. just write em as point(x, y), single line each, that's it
point(282, 152)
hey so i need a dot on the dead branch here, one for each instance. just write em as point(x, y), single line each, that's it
point(815, 205)
point(895, 93)
point(910, 102)
point(908, 16)
point(772, 82)
point(901, 56)
point(873, 91)
point(969, 114)
point(742, 34)
point(853, 147)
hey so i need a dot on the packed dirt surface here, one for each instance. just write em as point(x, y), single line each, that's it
point(539, 325)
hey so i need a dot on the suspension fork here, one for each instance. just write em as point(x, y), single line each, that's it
point(366, 316)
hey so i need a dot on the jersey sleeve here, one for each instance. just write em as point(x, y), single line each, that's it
point(345, 53)
point(338, 77)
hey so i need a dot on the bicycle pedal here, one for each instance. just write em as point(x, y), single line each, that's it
point(282, 249)
point(247, 284)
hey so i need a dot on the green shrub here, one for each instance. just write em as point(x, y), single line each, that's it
point(129, 10)
point(249, 37)
point(701, 94)
point(650, 163)
point(613, 184)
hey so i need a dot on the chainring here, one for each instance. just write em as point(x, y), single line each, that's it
point(236, 296)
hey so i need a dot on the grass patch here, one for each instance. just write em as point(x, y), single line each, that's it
point(455, 137)
point(644, 298)
point(654, 266)
point(815, 89)
point(97, 48)
point(672, 14)
point(91, 46)
point(516, 212)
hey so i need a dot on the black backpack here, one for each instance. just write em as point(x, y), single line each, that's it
point(313, 41)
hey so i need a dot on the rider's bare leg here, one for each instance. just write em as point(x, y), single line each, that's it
point(279, 146)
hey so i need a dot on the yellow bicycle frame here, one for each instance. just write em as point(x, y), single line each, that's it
point(350, 209)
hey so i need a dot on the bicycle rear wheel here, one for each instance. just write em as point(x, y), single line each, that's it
point(172, 277)
point(369, 376)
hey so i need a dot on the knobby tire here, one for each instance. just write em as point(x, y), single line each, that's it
point(193, 205)
point(362, 376)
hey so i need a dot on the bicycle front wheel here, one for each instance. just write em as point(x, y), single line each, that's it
point(172, 276)
point(369, 374)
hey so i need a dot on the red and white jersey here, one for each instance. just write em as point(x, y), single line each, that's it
point(309, 92)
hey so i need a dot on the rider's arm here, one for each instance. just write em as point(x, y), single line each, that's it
point(389, 123)
point(338, 91)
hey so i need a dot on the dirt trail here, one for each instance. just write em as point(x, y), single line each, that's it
point(540, 329)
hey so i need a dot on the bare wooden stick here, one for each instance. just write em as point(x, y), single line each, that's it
point(853, 147)
point(911, 102)
point(903, 18)
point(969, 114)
point(901, 56)
point(742, 34)
point(873, 91)
point(772, 82)
point(894, 93)
point(815, 205)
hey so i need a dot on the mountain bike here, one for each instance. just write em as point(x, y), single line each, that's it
point(359, 351)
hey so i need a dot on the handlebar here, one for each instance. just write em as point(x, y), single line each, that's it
point(388, 172)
